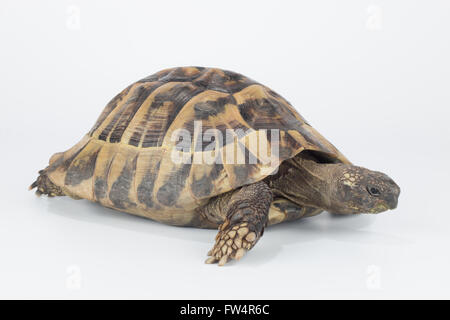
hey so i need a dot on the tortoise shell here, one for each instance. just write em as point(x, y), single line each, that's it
point(125, 161)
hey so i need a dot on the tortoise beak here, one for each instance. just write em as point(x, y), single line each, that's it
point(392, 203)
point(392, 199)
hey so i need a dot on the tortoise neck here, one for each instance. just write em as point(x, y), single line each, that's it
point(304, 182)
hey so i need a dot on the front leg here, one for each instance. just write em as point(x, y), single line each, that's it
point(246, 214)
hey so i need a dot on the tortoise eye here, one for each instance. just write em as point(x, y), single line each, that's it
point(373, 191)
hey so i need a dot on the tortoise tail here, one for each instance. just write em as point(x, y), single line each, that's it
point(45, 186)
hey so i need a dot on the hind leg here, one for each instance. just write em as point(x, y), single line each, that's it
point(43, 185)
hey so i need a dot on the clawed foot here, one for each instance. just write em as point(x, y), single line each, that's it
point(45, 186)
point(232, 243)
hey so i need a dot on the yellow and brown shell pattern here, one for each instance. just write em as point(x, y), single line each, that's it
point(125, 162)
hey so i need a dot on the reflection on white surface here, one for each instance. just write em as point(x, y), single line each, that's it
point(381, 97)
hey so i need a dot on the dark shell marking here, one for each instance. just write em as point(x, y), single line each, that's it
point(202, 187)
point(205, 109)
point(81, 170)
point(121, 187)
point(268, 114)
point(145, 189)
point(170, 191)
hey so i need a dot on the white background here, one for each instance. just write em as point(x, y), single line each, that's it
point(372, 76)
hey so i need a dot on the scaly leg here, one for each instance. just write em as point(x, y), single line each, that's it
point(45, 186)
point(246, 216)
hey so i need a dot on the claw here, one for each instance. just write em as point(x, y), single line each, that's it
point(210, 260)
point(240, 253)
point(33, 185)
point(223, 260)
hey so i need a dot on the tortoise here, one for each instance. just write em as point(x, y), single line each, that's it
point(129, 160)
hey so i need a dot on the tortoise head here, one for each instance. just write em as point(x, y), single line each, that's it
point(359, 190)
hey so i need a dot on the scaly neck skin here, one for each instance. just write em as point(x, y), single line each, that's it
point(304, 182)
point(335, 187)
